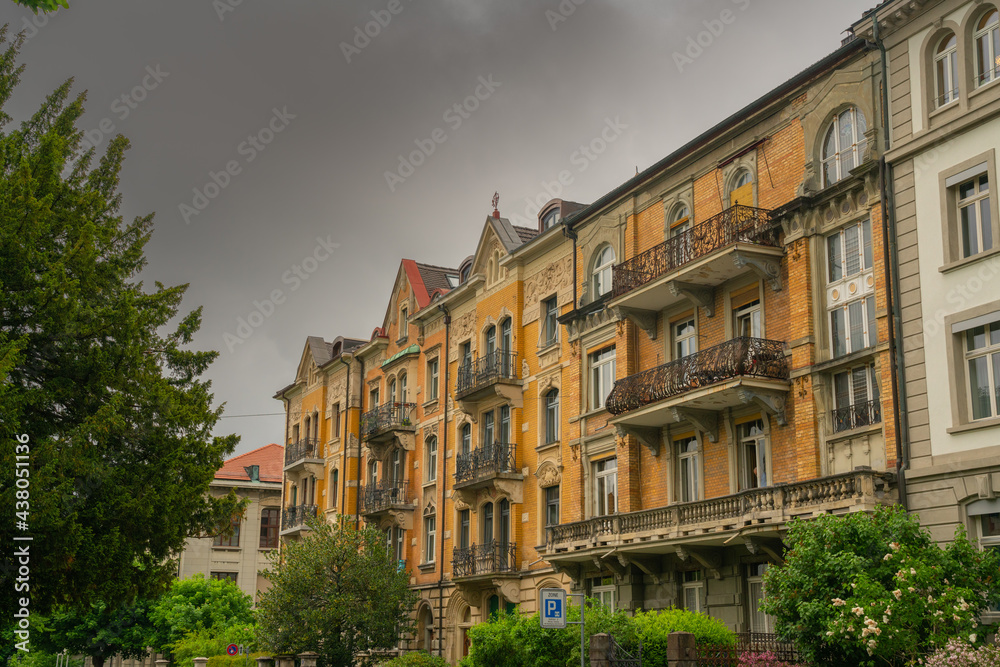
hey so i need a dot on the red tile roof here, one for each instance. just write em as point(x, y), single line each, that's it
point(270, 458)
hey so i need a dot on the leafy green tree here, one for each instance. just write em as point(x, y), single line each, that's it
point(44, 5)
point(866, 589)
point(100, 392)
point(336, 592)
point(196, 604)
point(100, 631)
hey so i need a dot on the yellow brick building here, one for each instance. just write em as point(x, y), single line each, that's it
point(633, 399)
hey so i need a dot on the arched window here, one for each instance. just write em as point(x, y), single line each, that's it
point(333, 487)
point(392, 390)
point(604, 259)
point(396, 472)
point(487, 527)
point(466, 438)
point(506, 346)
point(680, 219)
point(426, 642)
point(491, 340)
point(431, 458)
point(844, 145)
point(946, 70)
point(741, 191)
point(552, 416)
point(373, 472)
point(402, 388)
point(988, 48)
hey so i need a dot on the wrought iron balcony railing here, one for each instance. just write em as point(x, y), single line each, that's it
point(739, 357)
point(490, 558)
point(737, 224)
point(297, 515)
point(304, 448)
point(383, 495)
point(485, 371)
point(386, 416)
point(857, 415)
point(486, 461)
point(780, 502)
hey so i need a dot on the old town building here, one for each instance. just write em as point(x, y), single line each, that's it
point(943, 62)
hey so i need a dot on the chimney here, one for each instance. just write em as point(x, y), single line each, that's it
point(253, 472)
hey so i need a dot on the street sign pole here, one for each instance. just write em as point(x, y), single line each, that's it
point(583, 642)
point(554, 612)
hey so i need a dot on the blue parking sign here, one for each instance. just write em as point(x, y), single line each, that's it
point(553, 608)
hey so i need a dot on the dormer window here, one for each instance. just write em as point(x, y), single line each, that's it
point(453, 280)
point(550, 219)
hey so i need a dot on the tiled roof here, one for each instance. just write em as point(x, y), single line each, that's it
point(436, 277)
point(525, 233)
point(322, 351)
point(270, 458)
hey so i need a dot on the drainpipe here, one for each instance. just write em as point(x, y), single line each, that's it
point(444, 479)
point(357, 495)
point(345, 359)
point(891, 253)
point(571, 234)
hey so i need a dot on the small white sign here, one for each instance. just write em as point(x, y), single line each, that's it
point(553, 608)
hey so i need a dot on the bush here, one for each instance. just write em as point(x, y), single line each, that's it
point(765, 659)
point(212, 642)
point(519, 641)
point(234, 660)
point(416, 659)
point(957, 653)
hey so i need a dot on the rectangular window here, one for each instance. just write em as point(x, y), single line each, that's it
point(603, 589)
point(853, 326)
point(692, 587)
point(430, 531)
point(685, 339)
point(982, 353)
point(335, 420)
point(432, 459)
point(465, 355)
point(754, 457)
point(504, 424)
point(687, 469)
point(224, 576)
point(231, 541)
point(850, 283)
point(334, 484)
point(856, 399)
point(602, 376)
point(551, 324)
point(606, 487)
point(464, 531)
point(432, 380)
point(552, 506)
point(489, 432)
point(759, 621)
point(269, 519)
point(551, 401)
point(373, 399)
point(747, 324)
point(974, 215)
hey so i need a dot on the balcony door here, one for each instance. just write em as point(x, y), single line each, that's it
point(754, 457)
point(748, 320)
point(503, 530)
point(396, 471)
point(487, 527)
point(491, 341)
point(489, 432)
point(506, 344)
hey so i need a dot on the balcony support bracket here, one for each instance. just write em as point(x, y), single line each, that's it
point(572, 570)
point(773, 402)
point(706, 421)
point(612, 564)
point(627, 560)
point(701, 297)
point(765, 267)
point(756, 546)
point(512, 488)
point(708, 561)
point(644, 319)
point(647, 435)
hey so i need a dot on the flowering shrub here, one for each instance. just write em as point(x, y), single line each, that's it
point(765, 659)
point(866, 589)
point(957, 653)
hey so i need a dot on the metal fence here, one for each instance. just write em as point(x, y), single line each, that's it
point(491, 558)
point(486, 461)
point(619, 657)
point(746, 642)
point(486, 370)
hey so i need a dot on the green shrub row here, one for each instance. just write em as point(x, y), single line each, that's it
point(246, 660)
point(416, 659)
point(519, 641)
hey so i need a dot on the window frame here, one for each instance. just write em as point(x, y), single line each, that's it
point(431, 445)
point(762, 454)
point(839, 318)
point(693, 581)
point(430, 538)
point(990, 351)
point(550, 323)
point(601, 271)
point(604, 590)
point(950, 71)
point(688, 339)
point(989, 35)
point(756, 616)
point(951, 231)
point(597, 361)
point(872, 393)
point(691, 461)
point(551, 410)
point(601, 485)
point(227, 542)
point(551, 504)
point(268, 531)
point(224, 576)
point(433, 379)
point(856, 150)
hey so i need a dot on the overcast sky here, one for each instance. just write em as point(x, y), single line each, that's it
point(300, 109)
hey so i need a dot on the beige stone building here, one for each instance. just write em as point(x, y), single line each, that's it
point(257, 476)
point(943, 61)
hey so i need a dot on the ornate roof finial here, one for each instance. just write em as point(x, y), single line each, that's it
point(496, 204)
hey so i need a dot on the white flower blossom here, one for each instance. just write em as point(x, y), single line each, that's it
point(837, 602)
point(972, 638)
point(898, 593)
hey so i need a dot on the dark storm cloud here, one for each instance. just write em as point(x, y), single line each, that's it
point(276, 123)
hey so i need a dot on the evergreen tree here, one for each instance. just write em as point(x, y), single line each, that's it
point(100, 393)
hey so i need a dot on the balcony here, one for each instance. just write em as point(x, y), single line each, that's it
point(293, 518)
point(379, 499)
point(387, 421)
point(757, 515)
point(858, 415)
point(699, 385)
point(484, 560)
point(691, 264)
point(303, 453)
point(494, 374)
